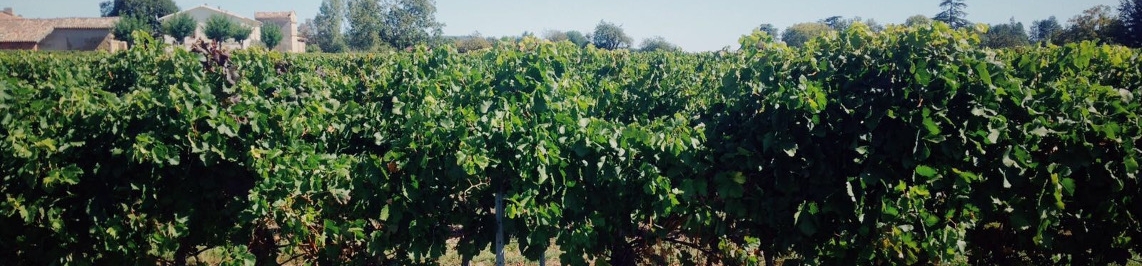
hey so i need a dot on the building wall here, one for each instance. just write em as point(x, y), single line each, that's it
point(289, 42)
point(74, 39)
point(18, 46)
point(112, 45)
point(292, 35)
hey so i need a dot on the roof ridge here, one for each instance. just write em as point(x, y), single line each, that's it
point(215, 9)
point(63, 18)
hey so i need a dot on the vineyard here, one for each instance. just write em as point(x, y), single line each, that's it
point(908, 146)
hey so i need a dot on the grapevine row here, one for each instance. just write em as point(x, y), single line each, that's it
point(908, 146)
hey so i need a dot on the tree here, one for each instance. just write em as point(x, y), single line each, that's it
point(179, 27)
point(305, 30)
point(873, 25)
point(1097, 24)
point(126, 26)
point(218, 28)
point(148, 11)
point(768, 29)
point(799, 34)
point(240, 32)
point(917, 20)
point(409, 22)
point(953, 13)
point(308, 34)
point(1046, 31)
point(578, 38)
point(365, 24)
point(1006, 35)
point(838, 23)
point(658, 44)
point(610, 36)
point(271, 35)
point(1131, 17)
point(327, 27)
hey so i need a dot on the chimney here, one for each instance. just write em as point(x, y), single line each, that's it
point(8, 10)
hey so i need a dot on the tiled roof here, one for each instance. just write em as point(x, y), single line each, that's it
point(34, 30)
point(8, 16)
point(271, 15)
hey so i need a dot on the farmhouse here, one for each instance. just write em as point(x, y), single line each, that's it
point(291, 41)
point(57, 34)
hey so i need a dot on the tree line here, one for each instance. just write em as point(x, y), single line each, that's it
point(372, 25)
point(377, 25)
point(1101, 24)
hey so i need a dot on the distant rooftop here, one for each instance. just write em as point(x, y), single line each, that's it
point(33, 30)
point(274, 15)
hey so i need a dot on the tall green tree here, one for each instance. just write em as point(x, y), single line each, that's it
point(218, 28)
point(327, 27)
point(953, 14)
point(610, 36)
point(308, 34)
point(305, 29)
point(1098, 24)
point(1046, 31)
point(126, 25)
point(768, 29)
point(1131, 17)
point(179, 27)
point(365, 24)
point(799, 34)
point(148, 11)
point(1007, 35)
point(271, 35)
point(917, 20)
point(658, 43)
point(409, 22)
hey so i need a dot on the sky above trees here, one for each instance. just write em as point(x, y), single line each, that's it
point(692, 25)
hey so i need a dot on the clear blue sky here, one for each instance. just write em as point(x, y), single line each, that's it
point(694, 25)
